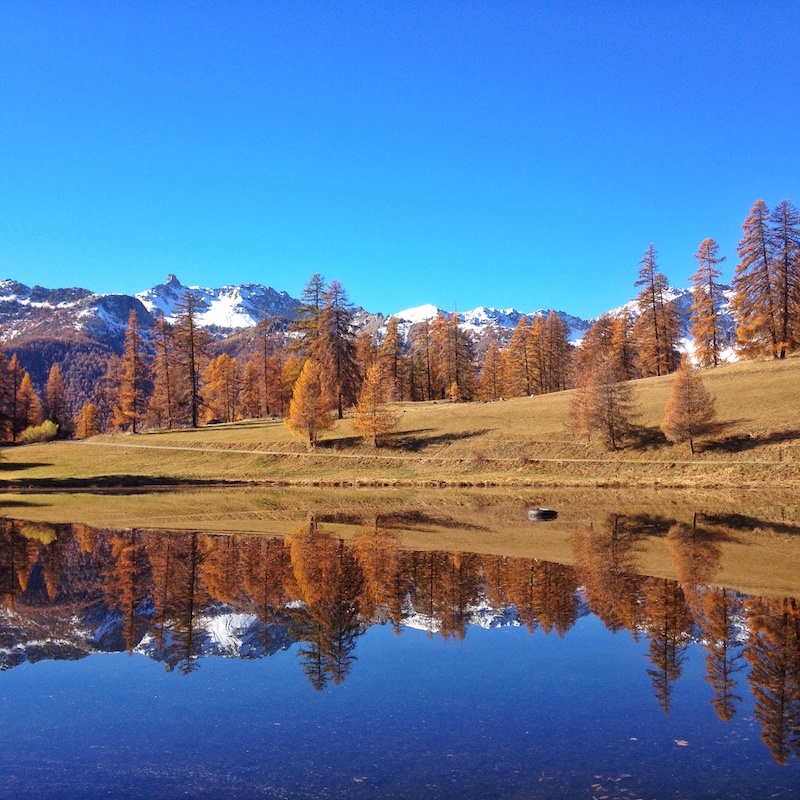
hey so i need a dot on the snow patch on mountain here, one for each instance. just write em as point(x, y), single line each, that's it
point(227, 308)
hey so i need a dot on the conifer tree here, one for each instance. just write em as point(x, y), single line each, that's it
point(192, 344)
point(489, 386)
point(109, 390)
point(657, 327)
point(419, 345)
point(373, 417)
point(555, 360)
point(290, 373)
point(690, 409)
point(623, 343)
point(706, 300)
point(307, 326)
point(335, 351)
point(390, 357)
point(365, 353)
point(54, 406)
point(309, 410)
point(88, 422)
point(520, 376)
point(251, 391)
point(755, 304)
point(223, 383)
point(604, 403)
point(266, 347)
point(134, 381)
point(29, 407)
point(785, 221)
point(162, 409)
point(15, 375)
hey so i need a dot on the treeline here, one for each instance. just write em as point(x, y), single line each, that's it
point(171, 376)
point(324, 593)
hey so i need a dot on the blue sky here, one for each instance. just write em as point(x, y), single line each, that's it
point(506, 154)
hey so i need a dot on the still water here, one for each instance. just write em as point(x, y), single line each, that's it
point(155, 664)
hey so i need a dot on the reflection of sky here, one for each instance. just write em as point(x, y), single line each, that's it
point(497, 713)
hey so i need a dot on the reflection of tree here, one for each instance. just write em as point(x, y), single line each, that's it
point(175, 561)
point(555, 599)
point(723, 655)
point(669, 626)
point(13, 563)
point(773, 651)
point(443, 587)
point(543, 593)
point(264, 563)
point(219, 572)
point(329, 582)
point(385, 584)
point(695, 557)
point(127, 584)
point(606, 563)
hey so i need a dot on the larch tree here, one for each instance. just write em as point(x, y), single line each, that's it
point(520, 375)
point(365, 353)
point(706, 300)
point(266, 347)
point(134, 384)
point(623, 342)
point(88, 422)
point(54, 406)
point(489, 385)
point(223, 383)
point(785, 221)
point(390, 357)
point(5, 398)
point(29, 406)
point(162, 405)
point(604, 403)
point(373, 416)
point(15, 375)
point(307, 326)
point(657, 328)
point(335, 352)
point(251, 394)
point(192, 344)
point(419, 345)
point(754, 303)
point(309, 409)
point(555, 358)
point(690, 409)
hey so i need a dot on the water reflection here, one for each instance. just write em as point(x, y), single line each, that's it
point(69, 591)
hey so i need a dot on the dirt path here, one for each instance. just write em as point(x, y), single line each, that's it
point(431, 459)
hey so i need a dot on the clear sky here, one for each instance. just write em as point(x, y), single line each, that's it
point(492, 153)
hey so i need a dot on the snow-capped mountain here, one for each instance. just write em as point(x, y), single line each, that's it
point(483, 319)
point(226, 308)
point(26, 311)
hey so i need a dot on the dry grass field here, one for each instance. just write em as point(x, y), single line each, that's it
point(519, 442)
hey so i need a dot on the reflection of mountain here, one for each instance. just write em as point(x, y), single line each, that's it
point(71, 591)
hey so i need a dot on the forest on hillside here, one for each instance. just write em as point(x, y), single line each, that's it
point(322, 366)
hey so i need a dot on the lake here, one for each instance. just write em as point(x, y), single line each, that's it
point(188, 664)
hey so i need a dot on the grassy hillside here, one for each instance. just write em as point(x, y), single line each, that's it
point(522, 442)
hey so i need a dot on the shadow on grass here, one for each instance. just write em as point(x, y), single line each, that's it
point(16, 466)
point(742, 443)
point(414, 441)
point(742, 522)
point(642, 438)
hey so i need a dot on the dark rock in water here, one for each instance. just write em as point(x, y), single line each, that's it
point(542, 514)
